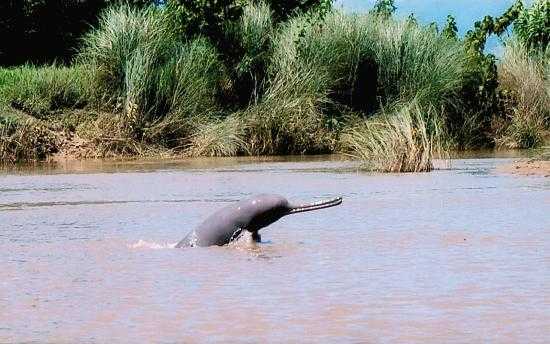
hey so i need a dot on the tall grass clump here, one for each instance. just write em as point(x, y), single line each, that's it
point(251, 38)
point(289, 116)
point(327, 53)
point(525, 78)
point(40, 90)
point(404, 141)
point(125, 36)
point(366, 62)
point(416, 62)
point(187, 88)
point(371, 56)
point(140, 65)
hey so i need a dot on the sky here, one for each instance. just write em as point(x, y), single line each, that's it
point(466, 12)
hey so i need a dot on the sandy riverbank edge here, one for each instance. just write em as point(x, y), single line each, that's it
point(526, 168)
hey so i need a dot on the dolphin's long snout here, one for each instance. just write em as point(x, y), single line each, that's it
point(315, 206)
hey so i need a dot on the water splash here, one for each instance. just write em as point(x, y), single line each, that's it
point(142, 244)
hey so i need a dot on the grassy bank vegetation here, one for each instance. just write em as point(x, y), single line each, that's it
point(525, 77)
point(388, 91)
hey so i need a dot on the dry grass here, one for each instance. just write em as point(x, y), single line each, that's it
point(28, 140)
point(526, 80)
point(220, 137)
point(108, 136)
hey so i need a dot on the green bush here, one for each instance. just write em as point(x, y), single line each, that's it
point(49, 31)
point(282, 10)
point(479, 101)
point(205, 17)
point(533, 25)
point(383, 8)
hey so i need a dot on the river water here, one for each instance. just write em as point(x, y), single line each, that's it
point(459, 255)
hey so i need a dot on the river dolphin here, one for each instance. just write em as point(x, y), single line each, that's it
point(252, 214)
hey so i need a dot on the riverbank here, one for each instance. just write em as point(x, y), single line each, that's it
point(389, 92)
point(527, 168)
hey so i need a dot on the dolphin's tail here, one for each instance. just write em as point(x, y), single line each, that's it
point(315, 206)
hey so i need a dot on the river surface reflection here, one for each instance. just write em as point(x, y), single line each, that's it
point(461, 254)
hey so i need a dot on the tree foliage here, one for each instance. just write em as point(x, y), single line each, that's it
point(46, 30)
point(480, 91)
point(282, 10)
point(451, 29)
point(384, 8)
point(210, 17)
point(205, 17)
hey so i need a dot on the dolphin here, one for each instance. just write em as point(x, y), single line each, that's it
point(252, 214)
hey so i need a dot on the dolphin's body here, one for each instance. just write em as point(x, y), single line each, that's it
point(251, 215)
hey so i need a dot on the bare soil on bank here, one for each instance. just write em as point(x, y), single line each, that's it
point(527, 168)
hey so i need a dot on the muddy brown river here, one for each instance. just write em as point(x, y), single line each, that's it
point(459, 255)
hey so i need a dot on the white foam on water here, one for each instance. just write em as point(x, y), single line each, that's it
point(142, 244)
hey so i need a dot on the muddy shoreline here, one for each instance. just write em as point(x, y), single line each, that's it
point(527, 168)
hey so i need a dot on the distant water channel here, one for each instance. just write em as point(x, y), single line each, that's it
point(459, 255)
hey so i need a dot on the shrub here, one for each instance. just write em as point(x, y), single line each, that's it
point(205, 17)
point(384, 8)
point(478, 100)
point(282, 10)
